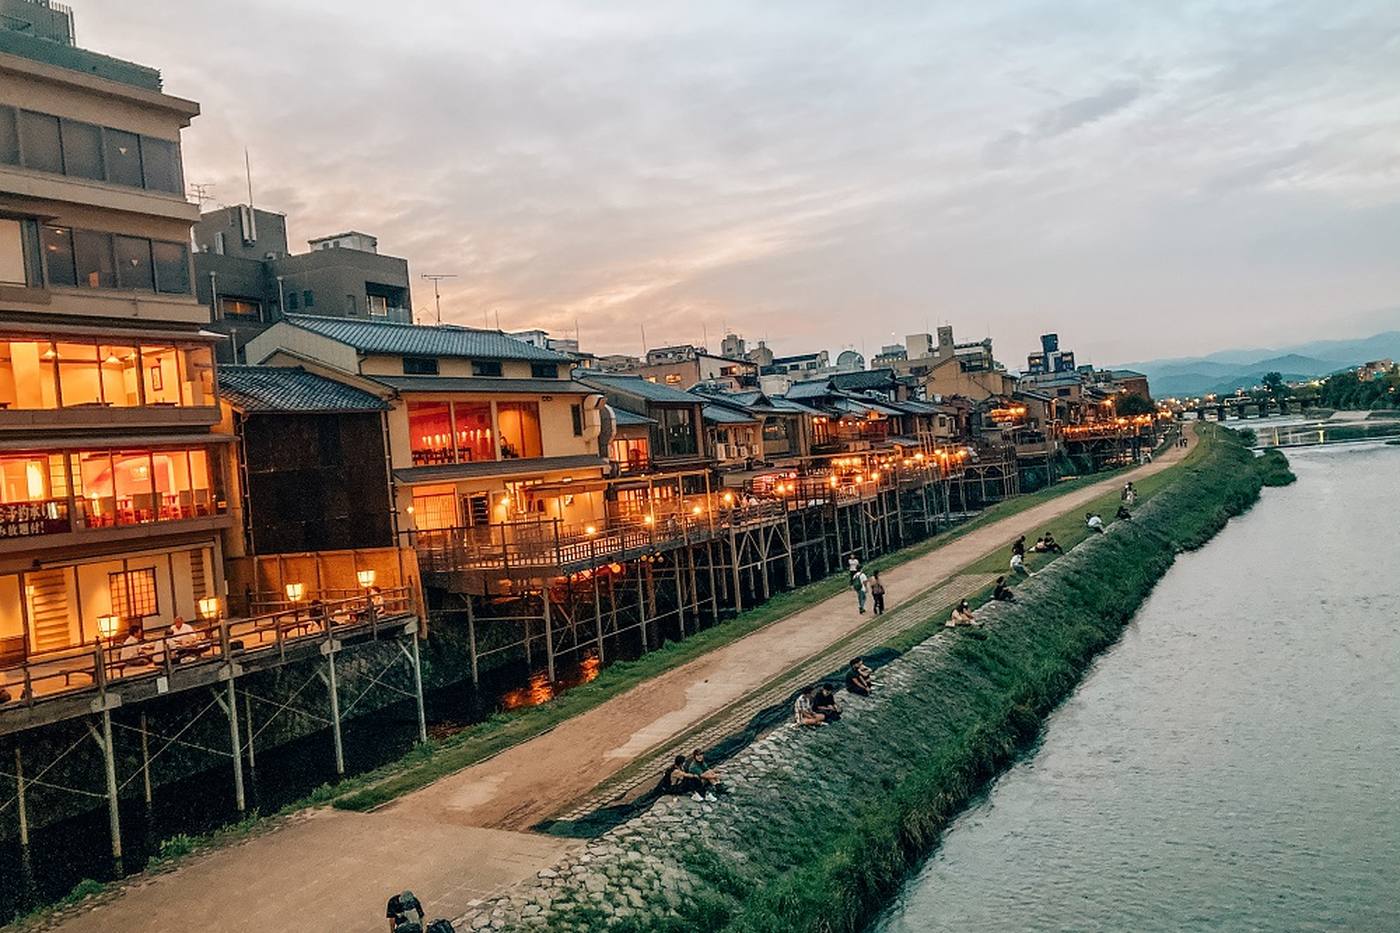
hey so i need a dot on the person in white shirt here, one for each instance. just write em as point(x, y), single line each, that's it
point(1093, 522)
point(852, 564)
point(861, 584)
point(181, 636)
point(803, 712)
point(1018, 565)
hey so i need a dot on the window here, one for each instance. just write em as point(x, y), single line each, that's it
point(435, 511)
point(82, 149)
point(123, 154)
point(160, 161)
point(28, 374)
point(632, 452)
point(93, 256)
point(477, 509)
point(378, 305)
point(32, 478)
point(544, 370)
point(676, 432)
point(40, 142)
point(245, 308)
point(576, 417)
point(160, 375)
point(471, 423)
point(291, 301)
point(133, 593)
point(172, 267)
point(134, 264)
point(9, 137)
point(16, 260)
point(308, 298)
point(519, 426)
point(673, 379)
point(58, 255)
point(121, 381)
point(420, 366)
point(430, 433)
point(486, 367)
point(137, 487)
point(79, 376)
point(197, 370)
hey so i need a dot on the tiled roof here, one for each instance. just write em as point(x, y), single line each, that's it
point(863, 379)
point(625, 418)
point(636, 385)
point(287, 389)
point(721, 414)
point(787, 404)
point(813, 388)
point(424, 340)
point(482, 384)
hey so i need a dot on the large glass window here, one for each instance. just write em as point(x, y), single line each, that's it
point(472, 423)
point(40, 141)
point(92, 254)
point(172, 267)
point(9, 137)
point(28, 374)
point(123, 152)
point(197, 386)
point(632, 452)
point(430, 432)
point(137, 487)
point(121, 375)
point(134, 481)
point(12, 253)
point(519, 424)
point(33, 495)
point(161, 375)
point(82, 150)
point(93, 481)
point(79, 376)
point(58, 255)
point(134, 264)
point(160, 159)
point(677, 432)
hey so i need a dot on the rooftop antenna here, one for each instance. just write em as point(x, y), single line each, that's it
point(248, 171)
point(437, 294)
point(644, 340)
point(498, 319)
point(705, 336)
point(201, 191)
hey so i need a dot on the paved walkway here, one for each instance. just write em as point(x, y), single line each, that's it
point(464, 837)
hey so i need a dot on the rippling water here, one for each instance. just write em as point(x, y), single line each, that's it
point(1233, 763)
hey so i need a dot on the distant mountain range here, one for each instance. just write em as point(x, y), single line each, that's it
point(1223, 372)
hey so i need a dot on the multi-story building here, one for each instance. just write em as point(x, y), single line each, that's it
point(541, 339)
point(110, 505)
point(1051, 359)
point(683, 367)
point(248, 278)
point(483, 429)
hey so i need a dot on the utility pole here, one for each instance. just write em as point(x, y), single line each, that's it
point(437, 295)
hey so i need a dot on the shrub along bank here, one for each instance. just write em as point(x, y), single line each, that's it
point(825, 824)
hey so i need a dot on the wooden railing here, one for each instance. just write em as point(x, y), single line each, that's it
point(94, 667)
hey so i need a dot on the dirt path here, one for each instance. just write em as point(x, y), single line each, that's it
point(463, 837)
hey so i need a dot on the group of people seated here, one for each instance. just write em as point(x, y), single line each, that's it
point(181, 641)
point(692, 776)
point(1047, 545)
point(816, 705)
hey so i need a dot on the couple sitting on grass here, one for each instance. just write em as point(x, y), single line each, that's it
point(693, 776)
point(816, 706)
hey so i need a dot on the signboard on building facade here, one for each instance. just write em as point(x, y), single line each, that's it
point(27, 519)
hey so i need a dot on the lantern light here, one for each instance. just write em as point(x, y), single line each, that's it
point(590, 530)
point(296, 591)
point(366, 578)
point(209, 607)
point(107, 625)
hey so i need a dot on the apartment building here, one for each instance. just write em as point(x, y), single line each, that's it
point(110, 500)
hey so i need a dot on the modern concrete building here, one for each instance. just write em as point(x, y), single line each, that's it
point(248, 278)
point(1051, 359)
point(683, 367)
point(110, 500)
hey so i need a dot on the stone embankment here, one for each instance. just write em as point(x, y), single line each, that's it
point(819, 825)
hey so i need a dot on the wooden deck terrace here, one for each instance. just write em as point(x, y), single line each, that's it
point(83, 680)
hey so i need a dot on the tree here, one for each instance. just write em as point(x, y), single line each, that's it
point(1134, 405)
point(1274, 383)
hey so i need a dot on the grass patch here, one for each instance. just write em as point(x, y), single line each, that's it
point(828, 869)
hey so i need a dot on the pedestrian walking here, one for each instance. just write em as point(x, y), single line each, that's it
point(877, 593)
point(861, 584)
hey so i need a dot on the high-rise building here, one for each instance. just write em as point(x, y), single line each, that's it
point(110, 498)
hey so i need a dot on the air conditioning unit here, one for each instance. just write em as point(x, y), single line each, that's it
point(741, 452)
point(722, 451)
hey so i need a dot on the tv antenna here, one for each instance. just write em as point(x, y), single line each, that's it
point(202, 191)
point(437, 293)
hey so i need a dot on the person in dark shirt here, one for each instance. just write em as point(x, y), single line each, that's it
point(1003, 592)
point(824, 703)
point(404, 909)
point(858, 678)
point(1020, 546)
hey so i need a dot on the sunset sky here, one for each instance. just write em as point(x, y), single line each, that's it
point(1145, 179)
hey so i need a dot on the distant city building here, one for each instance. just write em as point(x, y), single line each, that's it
point(889, 354)
point(1050, 359)
point(801, 363)
point(684, 366)
point(733, 347)
point(1375, 369)
point(541, 339)
point(248, 278)
point(849, 361)
point(761, 355)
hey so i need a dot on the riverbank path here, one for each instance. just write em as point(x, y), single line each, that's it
point(466, 837)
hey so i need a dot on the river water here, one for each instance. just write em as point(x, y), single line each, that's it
point(1234, 762)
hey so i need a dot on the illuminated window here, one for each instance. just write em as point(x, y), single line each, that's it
point(472, 423)
point(519, 425)
point(634, 453)
point(435, 511)
point(19, 260)
point(160, 370)
point(430, 433)
point(138, 487)
point(245, 308)
point(133, 593)
point(79, 377)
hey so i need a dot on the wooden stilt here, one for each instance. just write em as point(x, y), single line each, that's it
point(23, 808)
point(418, 689)
point(334, 689)
point(548, 633)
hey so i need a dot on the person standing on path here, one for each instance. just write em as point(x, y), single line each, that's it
point(860, 583)
point(877, 593)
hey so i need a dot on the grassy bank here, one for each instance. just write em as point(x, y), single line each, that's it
point(829, 865)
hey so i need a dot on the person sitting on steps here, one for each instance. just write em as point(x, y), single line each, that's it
point(1018, 565)
point(1001, 592)
point(404, 913)
point(803, 712)
point(824, 703)
point(858, 678)
point(962, 615)
point(677, 780)
point(1093, 522)
point(1123, 512)
point(697, 767)
point(1048, 545)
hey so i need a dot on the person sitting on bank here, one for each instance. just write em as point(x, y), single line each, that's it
point(1123, 512)
point(1048, 545)
point(824, 703)
point(858, 678)
point(803, 712)
point(962, 615)
point(1019, 547)
point(1001, 592)
point(678, 780)
point(1093, 522)
point(403, 910)
point(709, 778)
point(1018, 565)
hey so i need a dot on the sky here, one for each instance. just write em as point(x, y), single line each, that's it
point(1146, 179)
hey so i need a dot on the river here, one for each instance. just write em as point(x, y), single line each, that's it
point(1233, 763)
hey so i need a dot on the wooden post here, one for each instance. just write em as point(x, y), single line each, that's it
point(418, 688)
point(642, 607)
point(598, 614)
point(548, 632)
point(145, 760)
point(252, 733)
point(694, 584)
point(230, 706)
point(23, 811)
point(334, 689)
point(471, 640)
point(109, 761)
point(734, 567)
